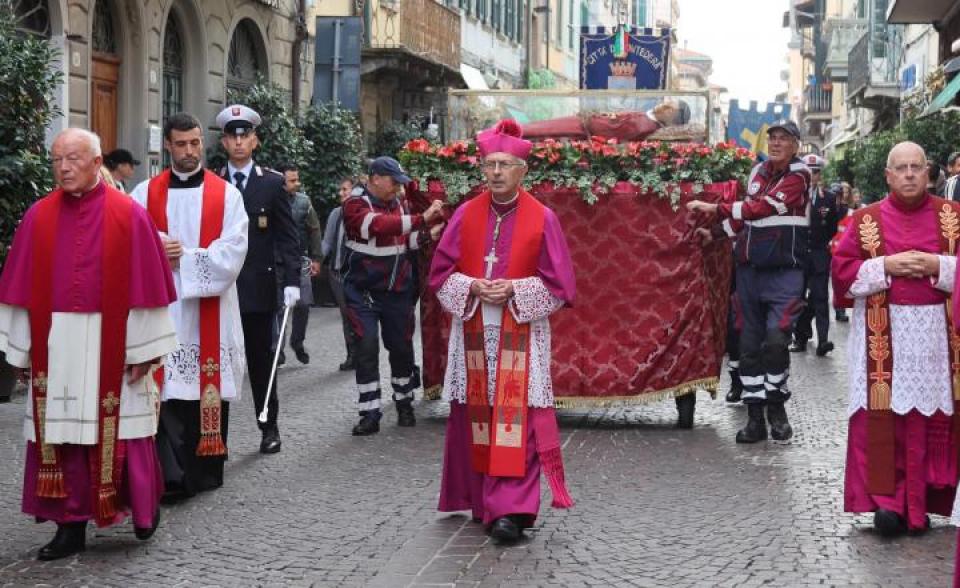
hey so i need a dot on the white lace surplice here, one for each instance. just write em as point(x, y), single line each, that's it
point(205, 272)
point(921, 354)
point(532, 303)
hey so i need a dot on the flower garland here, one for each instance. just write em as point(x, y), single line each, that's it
point(591, 166)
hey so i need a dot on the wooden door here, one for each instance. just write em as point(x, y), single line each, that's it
point(104, 99)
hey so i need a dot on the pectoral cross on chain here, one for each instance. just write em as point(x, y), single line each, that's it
point(65, 398)
point(491, 257)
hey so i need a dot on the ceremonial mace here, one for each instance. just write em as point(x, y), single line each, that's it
point(276, 358)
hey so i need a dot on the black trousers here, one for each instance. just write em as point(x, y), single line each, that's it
point(816, 289)
point(391, 313)
point(184, 472)
point(336, 286)
point(257, 336)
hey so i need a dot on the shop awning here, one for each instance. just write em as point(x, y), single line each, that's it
point(945, 97)
point(844, 137)
point(914, 12)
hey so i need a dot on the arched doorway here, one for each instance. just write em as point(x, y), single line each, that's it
point(105, 75)
point(247, 59)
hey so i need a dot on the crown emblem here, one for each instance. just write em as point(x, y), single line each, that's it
point(623, 69)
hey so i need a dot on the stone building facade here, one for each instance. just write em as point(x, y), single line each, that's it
point(128, 64)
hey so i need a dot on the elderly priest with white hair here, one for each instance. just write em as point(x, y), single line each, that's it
point(83, 309)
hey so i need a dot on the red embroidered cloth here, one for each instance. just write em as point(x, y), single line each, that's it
point(650, 316)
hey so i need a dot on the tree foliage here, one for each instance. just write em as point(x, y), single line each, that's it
point(865, 162)
point(28, 82)
point(334, 151)
point(393, 136)
point(281, 141)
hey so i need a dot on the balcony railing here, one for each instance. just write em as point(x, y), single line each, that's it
point(840, 35)
point(424, 28)
point(817, 99)
point(873, 62)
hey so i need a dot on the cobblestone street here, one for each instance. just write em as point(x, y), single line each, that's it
point(655, 506)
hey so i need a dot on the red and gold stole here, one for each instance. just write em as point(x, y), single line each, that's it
point(881, 425)
point(106, 461)
point(499, 434)
point(211, 226)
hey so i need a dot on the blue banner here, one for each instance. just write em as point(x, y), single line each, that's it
point(637, 60)
point(748, 126)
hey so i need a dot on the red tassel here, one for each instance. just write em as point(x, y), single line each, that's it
point(106, 504)
point(510, 127)
point(211, 445)
point(50, 483)
point(552, 462)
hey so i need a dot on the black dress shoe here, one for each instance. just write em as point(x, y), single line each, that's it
point(888, 523)
point(368, 425)
point(824, 348)
point(270, 443)
point(798, 346)
point(282, 359)
point(71, 538)
point(302, 356)
point(405, 416)
point(686, 405)
point(144, 534)
point(348, 364)
point(505, 531)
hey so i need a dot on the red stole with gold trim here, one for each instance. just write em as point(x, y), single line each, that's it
point(881, 425)
point(498, 433)
point(105, 462)
point(211, 226)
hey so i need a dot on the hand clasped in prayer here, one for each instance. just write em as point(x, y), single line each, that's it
point(492, 291)
point(912, 264)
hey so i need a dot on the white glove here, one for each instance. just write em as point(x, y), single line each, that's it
point(291, 296)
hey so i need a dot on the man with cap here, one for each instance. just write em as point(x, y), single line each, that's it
point(816, 270)
point(272, 236)
point(120, 164)
point(501, 269)
point(771, 226)
point(379, 288)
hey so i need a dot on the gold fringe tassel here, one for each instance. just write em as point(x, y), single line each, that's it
point(708, 385)
point(50, 482)
point(211, 444)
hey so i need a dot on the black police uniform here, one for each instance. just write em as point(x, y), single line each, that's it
point(272, 235)
point(816, 272)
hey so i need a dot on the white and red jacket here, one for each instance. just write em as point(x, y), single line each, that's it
point(379, 236)
point(772, 223)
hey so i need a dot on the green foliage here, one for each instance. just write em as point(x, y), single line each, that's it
point(838, 170)
point(28, 80)
point(541, 79)
point(938, 134)
point(280, 139)
point(868, 160)
point(334, 151)
point(864, 164)
point(393, 136)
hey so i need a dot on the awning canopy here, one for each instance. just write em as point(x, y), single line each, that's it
point(945, 97)
point(473, 77)
point(914, 12)
point(844, 137)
